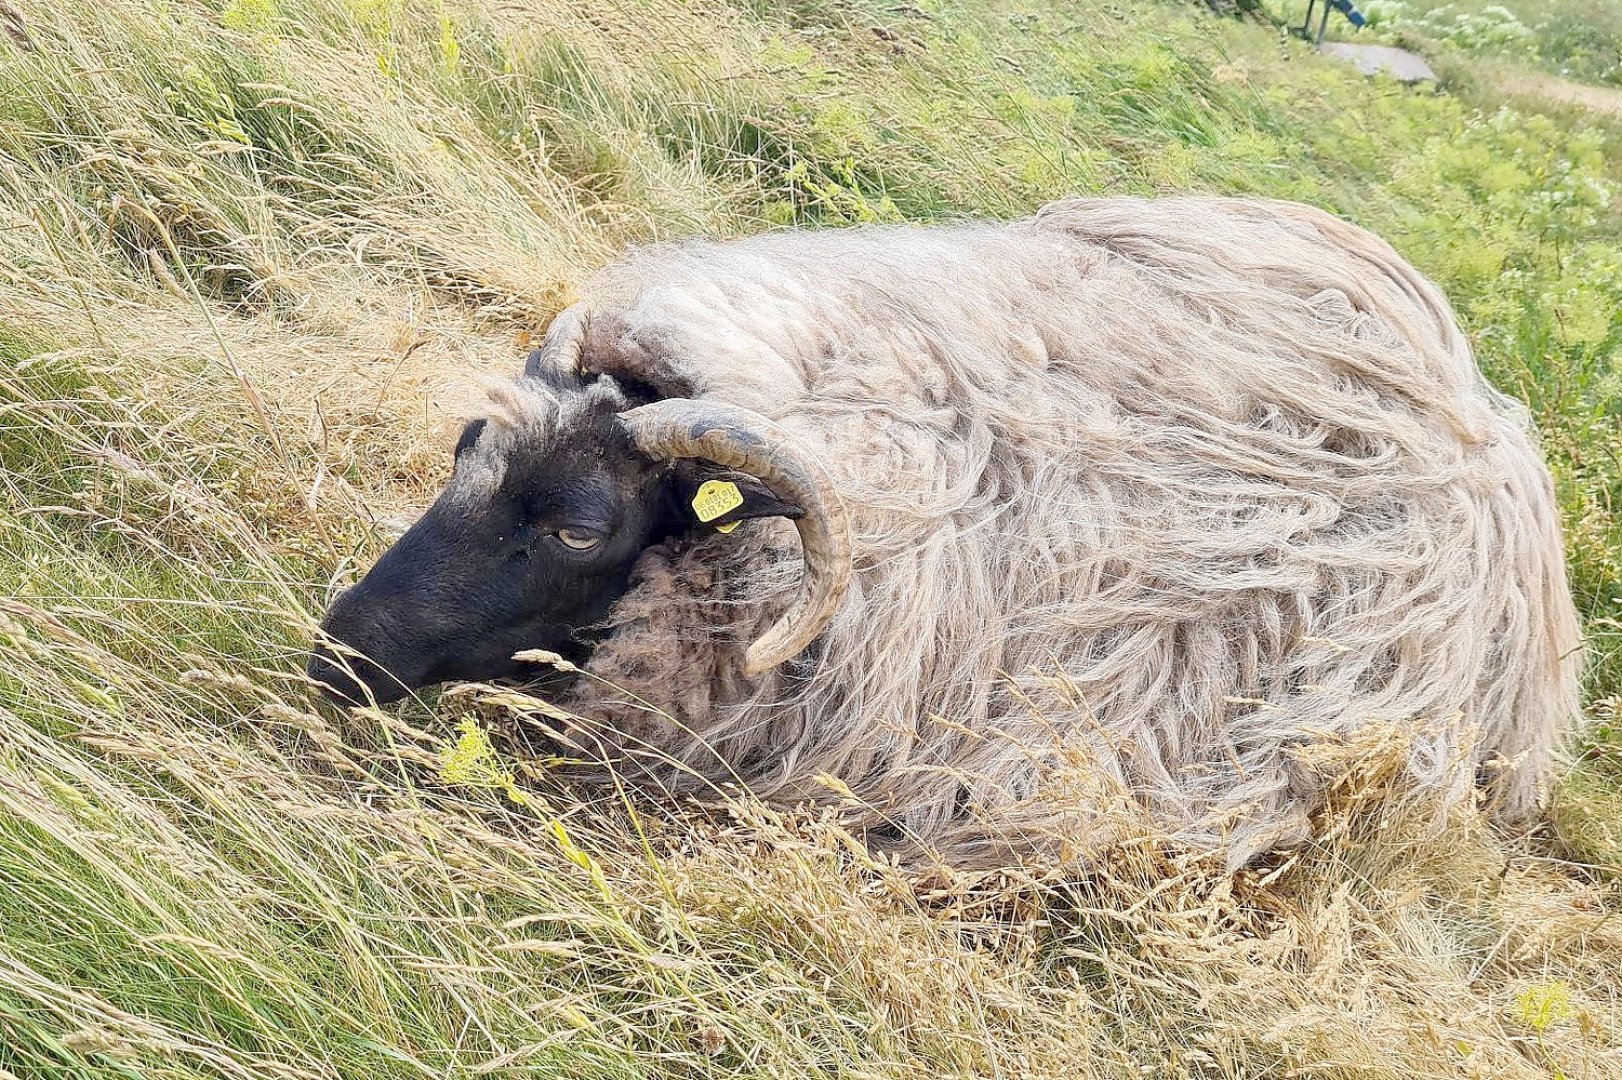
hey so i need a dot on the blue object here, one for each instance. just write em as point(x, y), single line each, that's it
point(1353, 16)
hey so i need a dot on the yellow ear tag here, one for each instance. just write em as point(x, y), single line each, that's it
point(714, 498)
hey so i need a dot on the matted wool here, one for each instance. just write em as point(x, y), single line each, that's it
point(1148, 498)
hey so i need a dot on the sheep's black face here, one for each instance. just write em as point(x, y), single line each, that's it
point(528, 547)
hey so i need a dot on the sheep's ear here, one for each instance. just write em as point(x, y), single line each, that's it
point(717, 499)
point(470, 436)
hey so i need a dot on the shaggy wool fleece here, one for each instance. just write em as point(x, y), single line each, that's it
point(1148, 499)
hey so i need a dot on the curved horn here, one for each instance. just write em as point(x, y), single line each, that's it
point(740, 439)
point(558, 358)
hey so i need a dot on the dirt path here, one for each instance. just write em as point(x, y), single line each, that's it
point(1563, 91)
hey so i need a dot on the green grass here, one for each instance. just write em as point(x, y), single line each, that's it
point(1578, 39)
point(251, 254)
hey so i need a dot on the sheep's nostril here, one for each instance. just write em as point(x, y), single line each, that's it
point(335, 680)
point(354, 680)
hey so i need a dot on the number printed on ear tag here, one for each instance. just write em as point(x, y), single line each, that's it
point(714, 498)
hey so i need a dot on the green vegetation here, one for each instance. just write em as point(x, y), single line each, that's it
point(251, 252)
point(1580, 39)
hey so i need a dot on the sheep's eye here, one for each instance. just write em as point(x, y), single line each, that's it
point(579, 541)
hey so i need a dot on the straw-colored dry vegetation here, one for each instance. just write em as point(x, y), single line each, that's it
point(251, 252)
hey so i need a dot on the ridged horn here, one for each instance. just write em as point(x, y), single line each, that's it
point(557, 361)
point(738, 438)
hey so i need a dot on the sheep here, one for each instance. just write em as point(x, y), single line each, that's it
point(1112, 513)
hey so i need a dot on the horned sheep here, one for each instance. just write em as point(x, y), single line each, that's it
point(1123, 507)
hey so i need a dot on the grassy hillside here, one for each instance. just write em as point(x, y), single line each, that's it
point(251, 254)
point(1581, 39)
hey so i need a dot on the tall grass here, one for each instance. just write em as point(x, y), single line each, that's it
point(251, 253)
